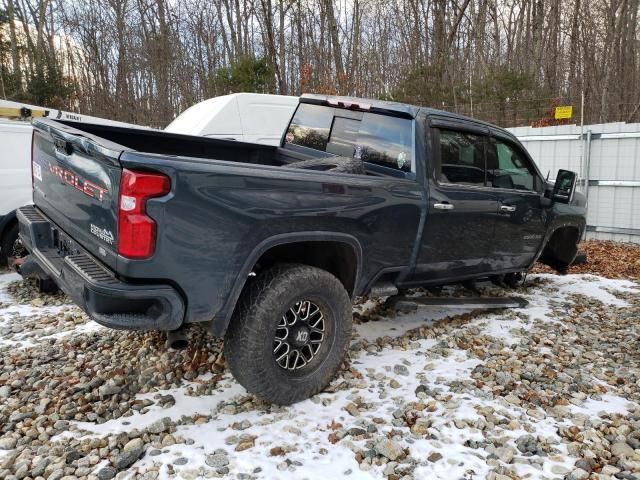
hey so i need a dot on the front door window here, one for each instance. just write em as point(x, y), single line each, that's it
point(508, 167)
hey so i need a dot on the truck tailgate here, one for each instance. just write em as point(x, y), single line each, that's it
point(76, 178)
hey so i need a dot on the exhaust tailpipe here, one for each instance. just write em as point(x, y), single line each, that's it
point(178, 339)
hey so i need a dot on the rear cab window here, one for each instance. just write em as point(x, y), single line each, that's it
point(376, 139)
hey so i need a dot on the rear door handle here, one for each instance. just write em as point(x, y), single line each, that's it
point(443, 206)
point(507, 208)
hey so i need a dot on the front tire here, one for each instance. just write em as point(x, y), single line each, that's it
point(289, 333)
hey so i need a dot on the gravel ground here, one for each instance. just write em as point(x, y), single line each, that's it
point(549, 391)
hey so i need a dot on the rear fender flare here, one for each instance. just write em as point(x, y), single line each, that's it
point(223, 317)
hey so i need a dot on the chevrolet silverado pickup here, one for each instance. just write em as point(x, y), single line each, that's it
point(268, 244)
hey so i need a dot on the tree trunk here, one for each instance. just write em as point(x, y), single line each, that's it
point(335, 43)
point(15, 56)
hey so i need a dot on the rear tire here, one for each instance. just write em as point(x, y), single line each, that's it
point(292, 308)
point(7, 243)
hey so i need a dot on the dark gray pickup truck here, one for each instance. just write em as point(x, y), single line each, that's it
point(151, 230)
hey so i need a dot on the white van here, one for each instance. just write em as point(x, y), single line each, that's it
point(15, 179)
point(246, 117)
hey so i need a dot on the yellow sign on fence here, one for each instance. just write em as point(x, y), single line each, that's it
point(564, 112)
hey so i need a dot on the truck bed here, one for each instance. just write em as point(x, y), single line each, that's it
point(90, 157)
point(172, 144)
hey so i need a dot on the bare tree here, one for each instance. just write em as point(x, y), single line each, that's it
point(147, 60)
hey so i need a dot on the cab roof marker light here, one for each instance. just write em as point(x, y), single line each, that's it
point(350, 105)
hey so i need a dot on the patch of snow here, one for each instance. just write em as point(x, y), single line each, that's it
point(9, 310)
point(608, 403)
point(400, 324)
point(497, 327)
point(591, 286)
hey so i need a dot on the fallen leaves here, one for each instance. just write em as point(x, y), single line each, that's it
point(605, 258)
point(334, 425)
point(280, 451)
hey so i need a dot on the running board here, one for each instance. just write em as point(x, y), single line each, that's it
point(403, 302)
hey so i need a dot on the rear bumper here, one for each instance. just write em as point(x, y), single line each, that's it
point(108, 300)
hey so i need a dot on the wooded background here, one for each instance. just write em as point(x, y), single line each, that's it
point(145, 61)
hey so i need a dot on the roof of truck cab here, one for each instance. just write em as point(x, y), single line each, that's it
point(396, 107)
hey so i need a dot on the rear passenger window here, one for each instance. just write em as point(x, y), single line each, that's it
point(461, 158)
point(385, 141)
point(310, 126)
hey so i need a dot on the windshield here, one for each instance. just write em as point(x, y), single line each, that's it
point(373, 138)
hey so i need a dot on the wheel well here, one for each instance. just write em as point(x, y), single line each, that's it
point(337, 258)
point(561, 248)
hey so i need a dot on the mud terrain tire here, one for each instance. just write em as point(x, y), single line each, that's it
point(253, 343)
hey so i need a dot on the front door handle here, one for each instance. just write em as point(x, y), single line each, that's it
point(443, 206)
point(507, 208)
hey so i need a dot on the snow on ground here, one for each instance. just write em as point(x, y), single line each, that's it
point(47, 314)
point(326, 436)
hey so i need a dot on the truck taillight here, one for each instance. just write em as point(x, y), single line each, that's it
point(136, 230)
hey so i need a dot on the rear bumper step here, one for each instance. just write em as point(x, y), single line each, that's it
point(108, 300)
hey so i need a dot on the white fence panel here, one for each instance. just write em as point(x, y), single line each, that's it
point(607, 160)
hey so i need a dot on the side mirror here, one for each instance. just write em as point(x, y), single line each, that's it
point(564, 187)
